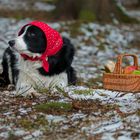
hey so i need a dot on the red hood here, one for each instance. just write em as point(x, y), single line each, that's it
point(54, 43)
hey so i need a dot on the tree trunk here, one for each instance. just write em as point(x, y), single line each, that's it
point(68, 8)
point(100, 10)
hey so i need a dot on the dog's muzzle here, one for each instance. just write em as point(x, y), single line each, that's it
point(11, 43)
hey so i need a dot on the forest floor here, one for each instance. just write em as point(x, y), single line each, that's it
point(77, 112)
point(85, 111)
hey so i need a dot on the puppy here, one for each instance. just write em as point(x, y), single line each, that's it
point(38, 58)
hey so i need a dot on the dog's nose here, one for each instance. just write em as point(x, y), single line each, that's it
point(11, 43)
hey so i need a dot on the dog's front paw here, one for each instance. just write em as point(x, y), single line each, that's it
point(11, 87)
point(28, 92)
point(13, 93)
point(34, 94)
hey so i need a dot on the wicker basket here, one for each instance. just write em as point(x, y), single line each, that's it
point(119, 81)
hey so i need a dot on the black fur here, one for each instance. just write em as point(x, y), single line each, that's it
point(9, 62)
point(62, 62)
point(36, 43)
point(35, 40)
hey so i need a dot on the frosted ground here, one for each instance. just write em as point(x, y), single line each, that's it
point(26, 5)
point(95, 113)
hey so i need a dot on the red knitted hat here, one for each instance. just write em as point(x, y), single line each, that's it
point(54, 44)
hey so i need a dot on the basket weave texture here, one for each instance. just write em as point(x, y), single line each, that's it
point(122, 82)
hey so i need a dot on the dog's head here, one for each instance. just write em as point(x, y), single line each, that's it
point(37, 38)
point(30, 40)
point(37, 41)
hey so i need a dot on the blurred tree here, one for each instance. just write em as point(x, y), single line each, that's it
point(69, 8)
point(90, 10)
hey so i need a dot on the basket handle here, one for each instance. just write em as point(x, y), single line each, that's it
point(118, 67)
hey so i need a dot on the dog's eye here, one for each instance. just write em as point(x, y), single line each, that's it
point(31, 34)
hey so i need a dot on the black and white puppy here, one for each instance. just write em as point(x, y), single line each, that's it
point(27, 76)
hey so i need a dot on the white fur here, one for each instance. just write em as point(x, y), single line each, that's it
point(29, 78)
point(20, 45)
point(9, 68)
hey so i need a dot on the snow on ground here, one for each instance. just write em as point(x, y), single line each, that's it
point(134, 13)
point(26, 5)
point(109, 116)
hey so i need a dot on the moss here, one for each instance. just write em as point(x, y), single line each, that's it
point(101, 47)
point(93, 82)
point(96, 105)
point(87, 15)
point(74, 29)
point(43, 90)
point(84, 92)
point(62, 91)
point(11, 136)
point(53, 106)
point(80, 82)
point(29, 124)
point(138, 112)
point(109, 107)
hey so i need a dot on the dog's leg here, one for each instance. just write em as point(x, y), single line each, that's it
point(6, 71)
point(26, 86)
point(26, 91)
point(10, 68)
point(71, 76)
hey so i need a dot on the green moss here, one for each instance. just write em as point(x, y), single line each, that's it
point(138, 112)
point(110, 107)
point(87, 15)
point(43, 90)
point(33, 124)
point(62, 91)
point(11, 136)
point(93, 82)
point(84, 92)
point(101, 47)
point(74, 29)
point(19, 16)
point(27, 124)
point(80, 82)
point(54, 106)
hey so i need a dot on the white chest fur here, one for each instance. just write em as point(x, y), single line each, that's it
point(29, 77)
